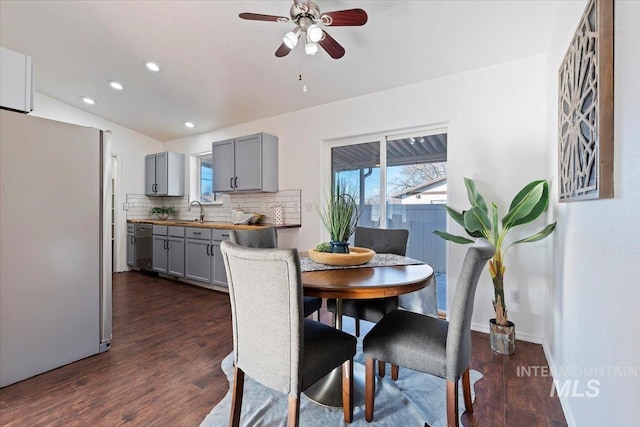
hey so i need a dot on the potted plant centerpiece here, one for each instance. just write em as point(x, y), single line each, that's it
point(479, 221)
point(162, 212)
point(340, 217)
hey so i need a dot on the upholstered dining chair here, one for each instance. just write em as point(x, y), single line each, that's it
point(387, 241)
point(267, 238)
point(296, 352)
point(427, 344)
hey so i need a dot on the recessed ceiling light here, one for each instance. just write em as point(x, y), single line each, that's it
point(189, 124)
point(115, 85)
point(88, 100)
point(153, 66)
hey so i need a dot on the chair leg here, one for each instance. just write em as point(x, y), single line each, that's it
point(452, 404)
point(369, 385)
point(294, 411)
point(466, 391)
point(381, 368)
point(347, 390)
point(394, 371)
point(236, 398)
point(317, 315)
point(357, 327)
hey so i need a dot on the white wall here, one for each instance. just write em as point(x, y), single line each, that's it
point(496, 134)
point(592, 314)
point(132, 146)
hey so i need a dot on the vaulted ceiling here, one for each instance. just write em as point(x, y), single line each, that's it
point(218, 70)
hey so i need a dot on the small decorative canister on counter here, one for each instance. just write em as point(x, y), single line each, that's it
point(276, 216)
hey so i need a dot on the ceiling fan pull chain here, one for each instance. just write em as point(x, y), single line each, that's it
point(302, 71)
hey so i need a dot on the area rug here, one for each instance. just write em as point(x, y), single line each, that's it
point(415, 399)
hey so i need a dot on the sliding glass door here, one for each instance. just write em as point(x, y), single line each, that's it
point(400, 181)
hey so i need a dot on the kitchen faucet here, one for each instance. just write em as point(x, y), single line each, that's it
point(201, 209)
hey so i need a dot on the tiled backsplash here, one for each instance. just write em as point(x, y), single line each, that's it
point(138, 205)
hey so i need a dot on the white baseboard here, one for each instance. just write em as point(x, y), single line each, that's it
point(522, 336)
point(564, 402)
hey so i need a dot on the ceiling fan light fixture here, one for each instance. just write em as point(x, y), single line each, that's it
point(291, 38)
point(314, 33)
point(311, 48)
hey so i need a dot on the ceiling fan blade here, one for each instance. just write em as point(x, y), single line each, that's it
point(283, 50)
point(333, 48)
point(261, 17)
point(349, 17)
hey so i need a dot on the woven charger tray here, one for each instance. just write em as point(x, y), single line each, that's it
point(356, 256)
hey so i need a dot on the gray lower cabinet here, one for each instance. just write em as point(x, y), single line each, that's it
point(169, 250)
point(219, 275)
point(198, 254)
point(131, 245)
point(203, 260)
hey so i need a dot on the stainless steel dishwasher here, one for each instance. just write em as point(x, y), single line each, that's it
point(144, 246)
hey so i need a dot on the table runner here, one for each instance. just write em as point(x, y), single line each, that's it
point(378, 260)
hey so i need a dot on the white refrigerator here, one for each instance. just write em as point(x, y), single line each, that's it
point(55, 244)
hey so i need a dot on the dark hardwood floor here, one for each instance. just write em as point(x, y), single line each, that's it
point(163, 369)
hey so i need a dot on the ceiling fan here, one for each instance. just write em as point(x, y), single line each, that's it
point(307, 17)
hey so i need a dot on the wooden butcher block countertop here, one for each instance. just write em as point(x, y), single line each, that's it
point(207, 224)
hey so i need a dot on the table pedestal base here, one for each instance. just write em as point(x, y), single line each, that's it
point(328, 391)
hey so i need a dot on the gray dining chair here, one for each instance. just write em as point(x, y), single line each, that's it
point(382, 242)
point(267, 238)
point(427, 344)
point(296, 352)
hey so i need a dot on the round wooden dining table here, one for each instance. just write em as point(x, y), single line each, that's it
point(358, 283)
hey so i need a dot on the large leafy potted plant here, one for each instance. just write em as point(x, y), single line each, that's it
point(479, 221)
point(340, 216)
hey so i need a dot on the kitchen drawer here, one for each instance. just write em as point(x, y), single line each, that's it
point(176, 231)
point(131, 228)
point(219, 234)
point(160, 230)
point(198, 233)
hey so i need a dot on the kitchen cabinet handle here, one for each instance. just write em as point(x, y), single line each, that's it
point(208, 250)
point(231, 182)
point(225, 235)
point(235, 184)
point(167, 244)
point(197, 232)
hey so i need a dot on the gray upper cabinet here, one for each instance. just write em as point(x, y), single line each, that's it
point(249, 163)
point(164, 174)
